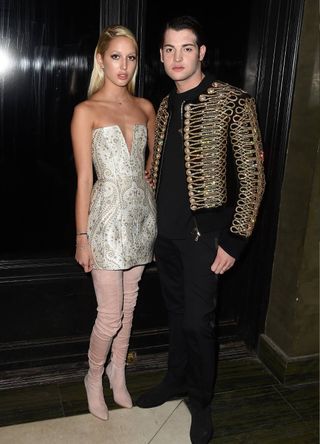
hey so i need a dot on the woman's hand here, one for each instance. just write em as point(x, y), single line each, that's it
point(84, 256)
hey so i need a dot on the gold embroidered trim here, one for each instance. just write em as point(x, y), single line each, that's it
point(247, 147)
point(223, 110)
point(161, 125)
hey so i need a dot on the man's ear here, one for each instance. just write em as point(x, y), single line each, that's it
point(202, 52)
point(161, 55)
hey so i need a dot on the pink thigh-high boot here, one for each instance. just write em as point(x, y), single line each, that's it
point(109, 293)
point(116, 368)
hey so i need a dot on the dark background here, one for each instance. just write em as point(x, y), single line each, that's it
point(52, 43)
point(226, 34)
point(47, 301)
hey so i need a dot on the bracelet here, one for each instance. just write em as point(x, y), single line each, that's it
point(84, 233)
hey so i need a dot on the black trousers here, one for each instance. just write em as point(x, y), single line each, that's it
point(189, 288)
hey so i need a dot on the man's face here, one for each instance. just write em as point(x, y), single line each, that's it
point(181, 55)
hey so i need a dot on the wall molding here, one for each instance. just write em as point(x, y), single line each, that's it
point(72, 349)
point(287, 369)
point(68, 372)
point(24, 270)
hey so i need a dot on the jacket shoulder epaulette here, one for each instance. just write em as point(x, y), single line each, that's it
point(223, 86)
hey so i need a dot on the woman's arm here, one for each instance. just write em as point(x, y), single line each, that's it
point(151, 123)
point(81, 134)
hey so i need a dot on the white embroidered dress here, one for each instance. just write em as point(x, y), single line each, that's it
point(122, 215)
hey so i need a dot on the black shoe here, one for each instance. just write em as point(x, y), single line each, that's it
point(201, 430)
point(159, 395)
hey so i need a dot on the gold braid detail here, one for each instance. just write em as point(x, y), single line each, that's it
point(206, 128)
point(205, 140)
point(224, 110)
point(247, 147)
point(161, 125)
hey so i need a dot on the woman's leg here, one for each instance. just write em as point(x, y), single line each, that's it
point(116, 368)
point(109, 293)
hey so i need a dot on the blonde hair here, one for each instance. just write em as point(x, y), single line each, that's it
point(107, 35)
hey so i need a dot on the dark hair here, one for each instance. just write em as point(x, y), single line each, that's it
point(185, 22)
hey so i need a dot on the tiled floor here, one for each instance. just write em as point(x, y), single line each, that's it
point(134, 426)
point(250, 407)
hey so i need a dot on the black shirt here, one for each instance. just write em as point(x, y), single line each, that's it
point(175, 219)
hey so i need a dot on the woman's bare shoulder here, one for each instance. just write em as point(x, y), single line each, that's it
point(86, 110)
point(145, 105)
point(85, 106)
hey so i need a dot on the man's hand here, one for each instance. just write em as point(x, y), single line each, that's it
point(148, 177)
point(222, 262)
point(147, 172)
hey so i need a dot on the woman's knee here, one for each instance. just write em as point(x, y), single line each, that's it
point(106, 325)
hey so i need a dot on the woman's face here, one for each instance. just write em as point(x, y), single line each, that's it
point(119, 61)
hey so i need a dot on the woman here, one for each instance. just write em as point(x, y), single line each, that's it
point(115, 217)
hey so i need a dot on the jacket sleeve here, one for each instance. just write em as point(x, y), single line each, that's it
point(248, 157)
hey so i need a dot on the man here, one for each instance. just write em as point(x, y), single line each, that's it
point(209, 180)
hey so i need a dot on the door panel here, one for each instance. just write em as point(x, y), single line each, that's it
point(49, 46)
